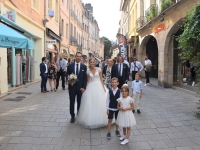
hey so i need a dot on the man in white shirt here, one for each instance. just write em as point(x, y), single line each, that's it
point(148, 66)
point(136, 67)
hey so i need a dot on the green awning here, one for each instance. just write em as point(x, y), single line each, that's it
point(11, 38)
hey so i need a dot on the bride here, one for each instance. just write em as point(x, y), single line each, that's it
point(92, 113)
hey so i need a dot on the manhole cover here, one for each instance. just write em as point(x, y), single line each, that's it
point(20, 97)
point(27, 93)
point(13, 99)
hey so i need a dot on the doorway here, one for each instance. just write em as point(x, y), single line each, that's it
point(152, 51)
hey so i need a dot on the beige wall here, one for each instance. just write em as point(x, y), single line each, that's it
point(3, 71)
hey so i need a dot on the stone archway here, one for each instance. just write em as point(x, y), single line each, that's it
point(149, 46)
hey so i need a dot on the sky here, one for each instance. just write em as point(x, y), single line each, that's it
point(107, 14)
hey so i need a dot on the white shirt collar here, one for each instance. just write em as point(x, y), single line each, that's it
point(115, 89)
point(77, 63)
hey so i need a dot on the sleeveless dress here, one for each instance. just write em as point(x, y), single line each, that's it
point(125, 118)
point(92, 112)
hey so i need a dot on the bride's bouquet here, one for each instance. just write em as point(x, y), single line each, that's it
point(72, 78)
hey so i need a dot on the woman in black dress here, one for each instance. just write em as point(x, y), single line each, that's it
point(52, 74)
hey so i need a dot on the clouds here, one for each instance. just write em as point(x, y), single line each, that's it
point(107, 14)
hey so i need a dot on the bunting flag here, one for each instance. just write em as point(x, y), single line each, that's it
point(122, 46)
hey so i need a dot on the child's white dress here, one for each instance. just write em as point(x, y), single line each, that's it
point(125, 118)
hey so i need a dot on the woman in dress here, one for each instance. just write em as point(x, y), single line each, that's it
point(52, 74)
point(107, 73)
point(93, 102)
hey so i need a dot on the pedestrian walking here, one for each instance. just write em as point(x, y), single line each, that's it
point(23, 70)
point(52, 74)
point(107, 73)
point(61, 65)
point(120, 71)
point(147, 66)
point(111, 104)
point(136, 92)
point(43, 74)
point(125, 118)
point(136, 67)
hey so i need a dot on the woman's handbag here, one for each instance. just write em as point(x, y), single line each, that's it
point(148, 68)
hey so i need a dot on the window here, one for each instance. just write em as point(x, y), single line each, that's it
point(35, 5)
point(56, 11)
point(71, 30)
point(74, 32)
point(66, 31)
point(49, 3)
point(62, 28)
point(67, 4)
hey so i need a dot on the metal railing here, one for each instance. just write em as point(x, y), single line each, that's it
point(151, 12)
point(73, 40)
point(140, 22)
point(167, 3)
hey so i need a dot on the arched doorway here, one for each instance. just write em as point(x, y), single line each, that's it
point(152, 51)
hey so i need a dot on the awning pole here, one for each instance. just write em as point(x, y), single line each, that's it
point(13, 67)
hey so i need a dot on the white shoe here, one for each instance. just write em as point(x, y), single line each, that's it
point(124, 142)
point(122, 138)
point(148, 83)
point(145, 85)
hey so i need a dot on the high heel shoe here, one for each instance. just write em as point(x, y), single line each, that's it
point(55, 89)
point(51, 90)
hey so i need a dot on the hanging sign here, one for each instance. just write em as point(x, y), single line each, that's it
point(11, 15)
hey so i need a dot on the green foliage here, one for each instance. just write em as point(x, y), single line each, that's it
point(189, 41)
point(153, 13)
point(107, 46)
point(166, 3)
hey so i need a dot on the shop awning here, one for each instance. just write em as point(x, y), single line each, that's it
point(10, 38)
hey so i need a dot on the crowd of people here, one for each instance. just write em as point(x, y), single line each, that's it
point(101, 90)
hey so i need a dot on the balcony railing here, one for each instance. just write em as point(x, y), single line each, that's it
point(73, 40)
point(151, 12)
point(140, 22)
point(167, 3)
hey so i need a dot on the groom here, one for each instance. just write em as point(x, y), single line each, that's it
point(79, 87)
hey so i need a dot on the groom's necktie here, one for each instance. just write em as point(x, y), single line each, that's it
point(76, 69)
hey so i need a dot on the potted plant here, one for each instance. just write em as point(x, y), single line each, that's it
point(153, 12)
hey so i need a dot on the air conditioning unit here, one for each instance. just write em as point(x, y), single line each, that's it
point(51, 13)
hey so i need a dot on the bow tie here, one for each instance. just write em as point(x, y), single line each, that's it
point(137, 81)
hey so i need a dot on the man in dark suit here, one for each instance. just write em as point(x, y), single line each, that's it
point(120, 71)
point(79, 87)
point(43, 74)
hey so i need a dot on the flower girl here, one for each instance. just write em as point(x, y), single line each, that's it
point(125, 117)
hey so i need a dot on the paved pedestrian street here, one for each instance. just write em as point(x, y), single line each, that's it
point(30, 120)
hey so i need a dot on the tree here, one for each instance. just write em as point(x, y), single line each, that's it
point(189, 41)
point(107, 46)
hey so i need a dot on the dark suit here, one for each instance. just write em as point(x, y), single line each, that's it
point(123, 77)
point(43, 76)
point(75, 89)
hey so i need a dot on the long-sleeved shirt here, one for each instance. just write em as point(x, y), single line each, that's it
point(136, 66)
point(108, 100)
point(61, 63)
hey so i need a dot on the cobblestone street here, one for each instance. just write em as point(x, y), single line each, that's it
point(37, 121)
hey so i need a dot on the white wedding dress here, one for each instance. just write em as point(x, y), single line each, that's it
point(92, 112)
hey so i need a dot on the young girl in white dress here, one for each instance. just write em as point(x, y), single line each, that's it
point(125, 117)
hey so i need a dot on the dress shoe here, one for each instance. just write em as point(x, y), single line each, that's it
point(63, 88)
point(138, 111)
point(43, 91)
point(72, 120)
point(46, 91)
point(133, 111)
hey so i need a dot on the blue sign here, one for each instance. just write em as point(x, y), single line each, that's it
point(51, 13)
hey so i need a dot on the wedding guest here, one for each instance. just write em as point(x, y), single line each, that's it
point(43, 74)
point(120, 71)
point(137, 92)
point(136, 67)
point(125, 118)
point(61, 64)
point(111, 104)
point(52, 74)
point(97, 63)
point(147, 66)
point(107, 73)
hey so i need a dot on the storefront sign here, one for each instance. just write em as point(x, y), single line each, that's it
point(11, 15)
point(159, 28)
point(7, 40)
point(50, 41)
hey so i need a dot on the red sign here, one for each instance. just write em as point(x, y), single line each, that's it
point(159, 28)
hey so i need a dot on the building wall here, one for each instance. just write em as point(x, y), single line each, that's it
point(3, 71)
